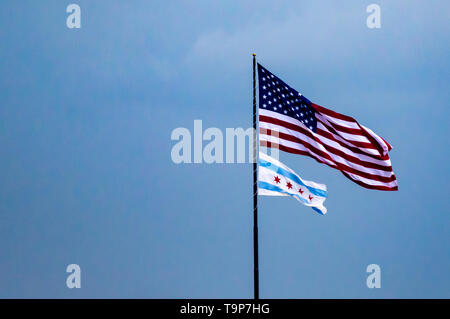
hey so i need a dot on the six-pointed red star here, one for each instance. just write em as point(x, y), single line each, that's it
point(277, 180)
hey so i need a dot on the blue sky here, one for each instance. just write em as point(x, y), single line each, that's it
point(86, 175)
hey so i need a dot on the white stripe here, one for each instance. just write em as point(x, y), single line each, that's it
point(266, 192)
point(339, 121)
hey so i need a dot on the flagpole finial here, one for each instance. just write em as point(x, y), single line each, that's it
point(254, 54)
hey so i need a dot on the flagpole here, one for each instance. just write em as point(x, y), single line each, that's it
point(255, 190)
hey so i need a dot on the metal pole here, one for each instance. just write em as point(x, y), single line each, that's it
point(255, 190)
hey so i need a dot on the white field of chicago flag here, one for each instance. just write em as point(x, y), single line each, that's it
point(276, 179)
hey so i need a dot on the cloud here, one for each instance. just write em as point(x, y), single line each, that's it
point(328, 37)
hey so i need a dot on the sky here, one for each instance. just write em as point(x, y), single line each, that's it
point(86, 175)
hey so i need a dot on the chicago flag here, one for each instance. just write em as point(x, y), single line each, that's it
point(276, 179)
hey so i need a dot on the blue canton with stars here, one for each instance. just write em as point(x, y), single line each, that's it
point(277, 96)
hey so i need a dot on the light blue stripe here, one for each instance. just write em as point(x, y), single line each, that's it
point(274, 188)
point(282, 171)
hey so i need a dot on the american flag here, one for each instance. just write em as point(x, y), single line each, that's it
point(290, 122)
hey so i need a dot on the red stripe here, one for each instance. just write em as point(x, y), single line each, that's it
point(331, 149)
point(388, 145)
point(295, 151)
point(380, 188)
point(326, 111)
